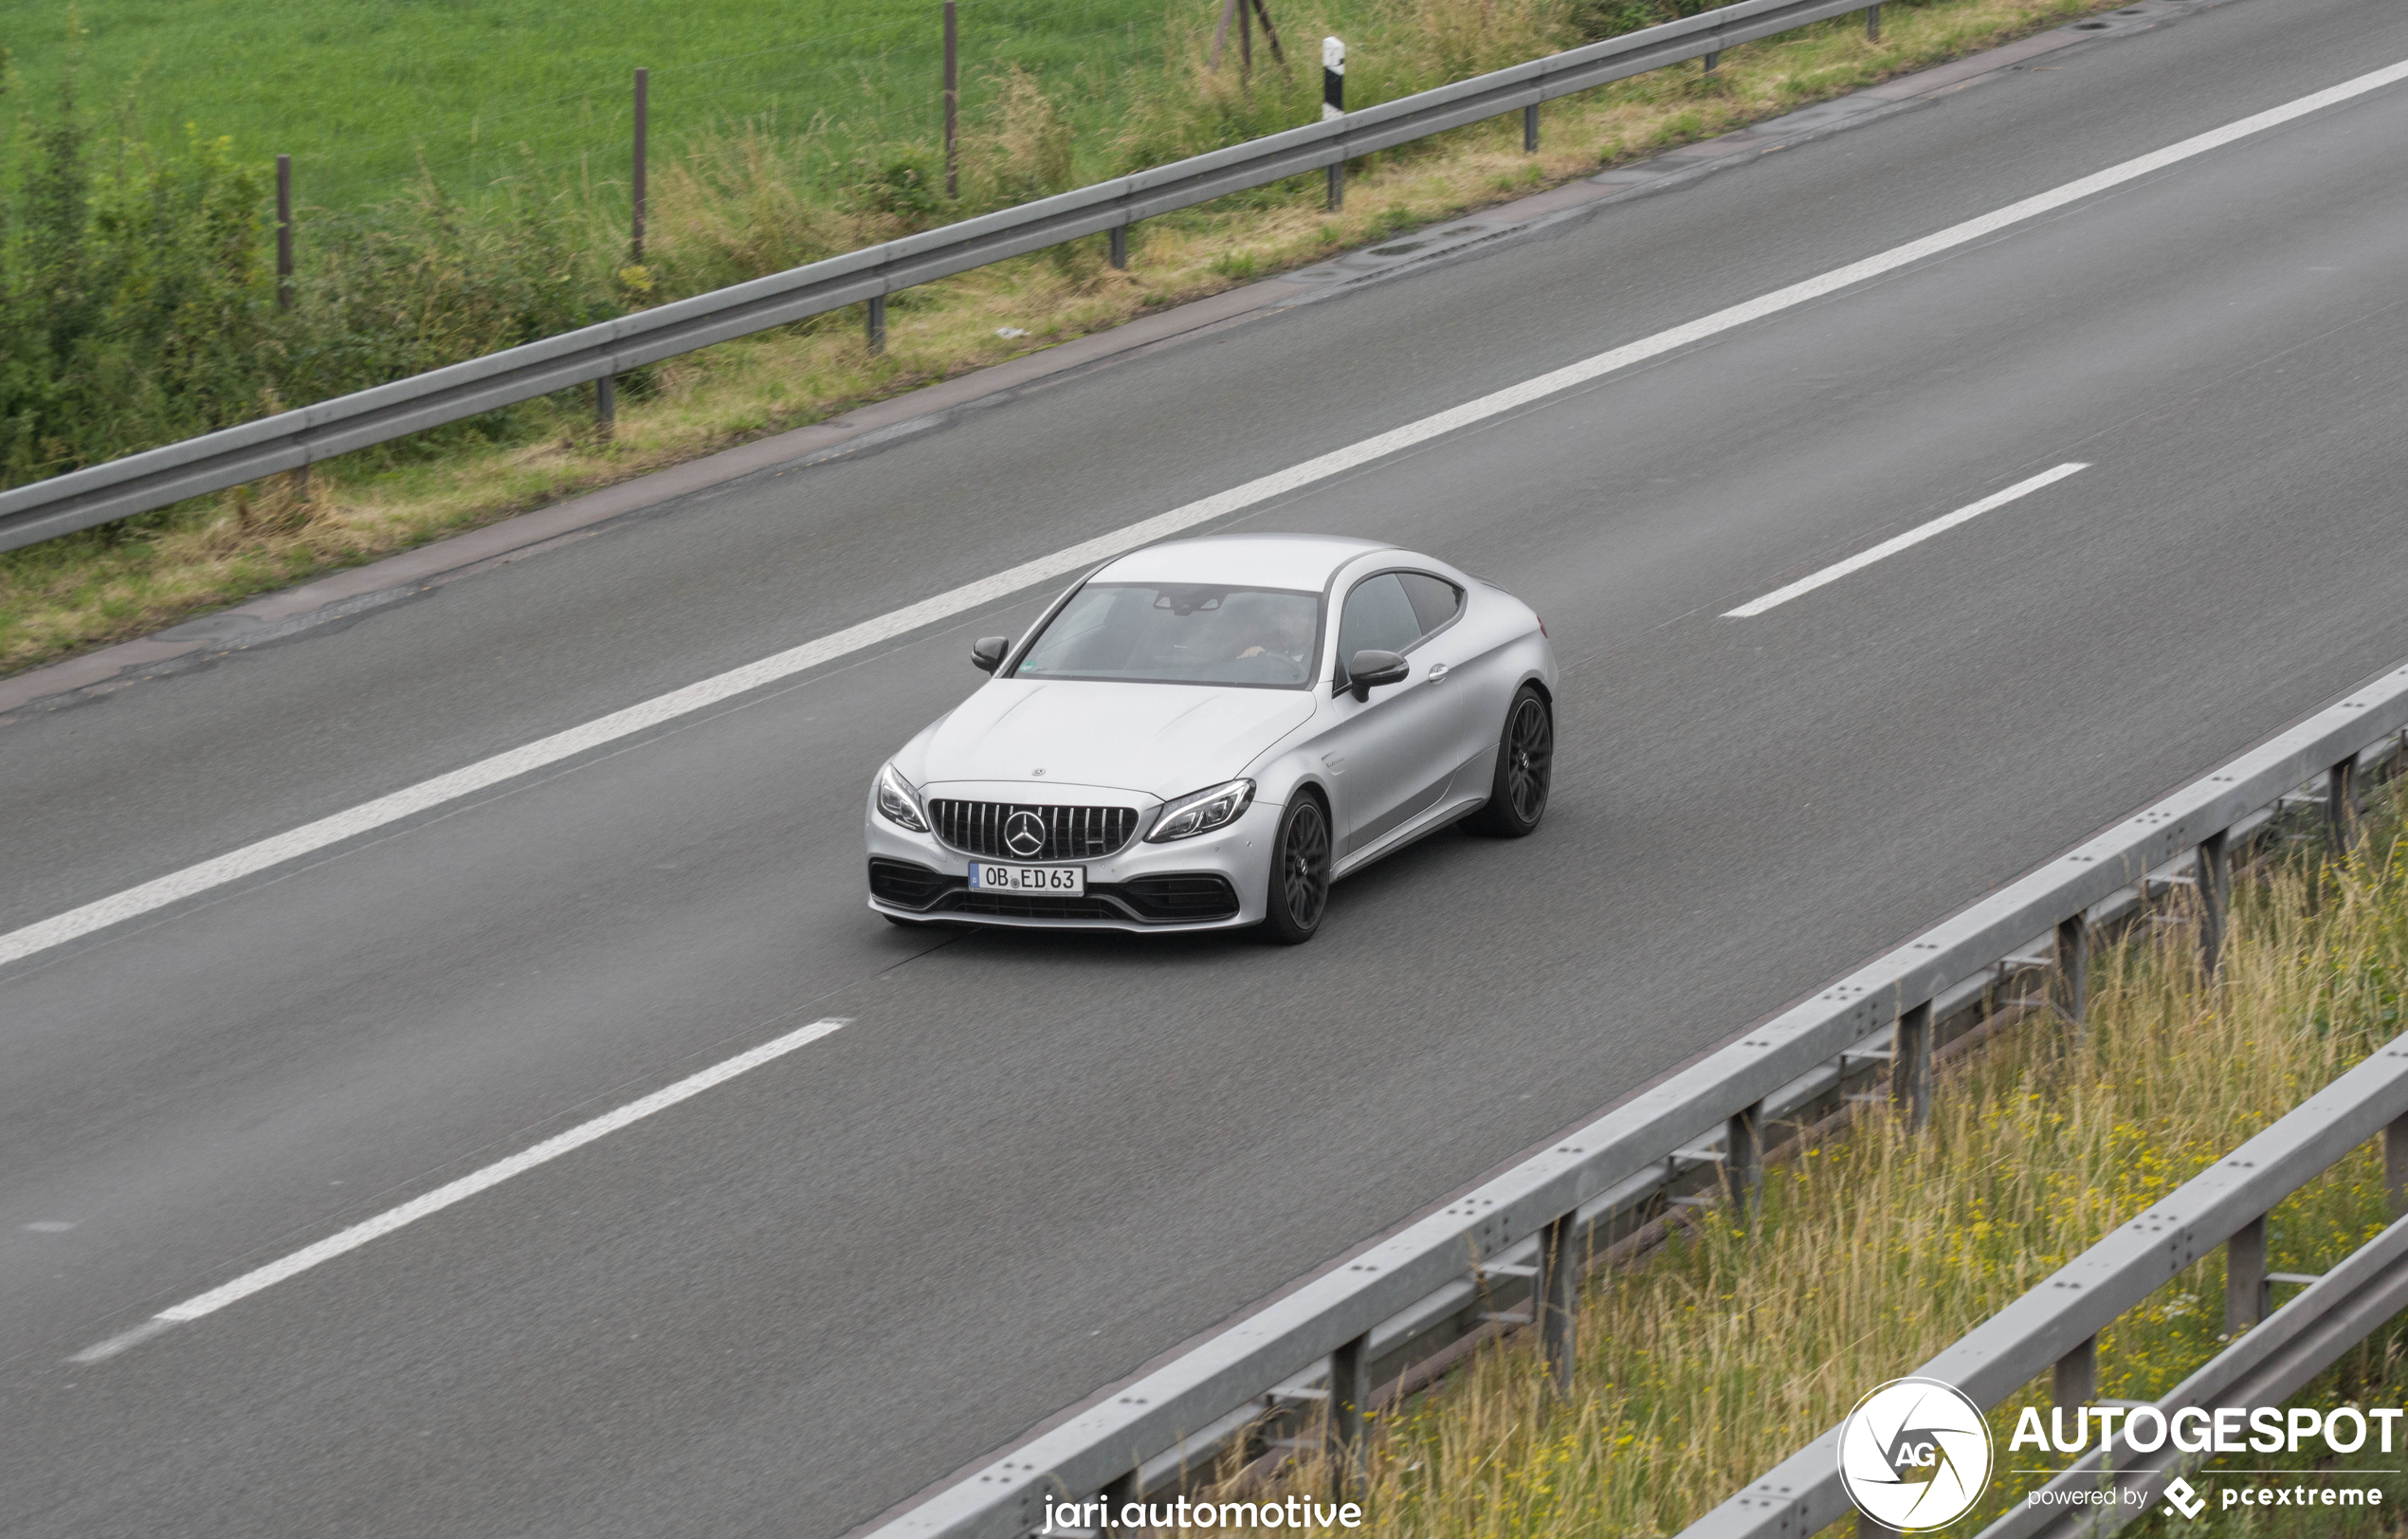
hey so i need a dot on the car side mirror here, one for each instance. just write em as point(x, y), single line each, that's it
point(986, 653)
point(1370, 669)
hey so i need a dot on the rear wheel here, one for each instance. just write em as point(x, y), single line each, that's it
point(1300, 873)
point(1526, 769)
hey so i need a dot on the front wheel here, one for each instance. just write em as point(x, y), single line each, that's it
point(1300, 873)
point(1526, 769)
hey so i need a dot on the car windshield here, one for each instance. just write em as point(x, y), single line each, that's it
point(1179, 632)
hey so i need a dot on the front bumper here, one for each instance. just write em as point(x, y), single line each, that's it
point(1215, 881)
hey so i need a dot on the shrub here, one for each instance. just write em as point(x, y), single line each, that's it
point(138, 305)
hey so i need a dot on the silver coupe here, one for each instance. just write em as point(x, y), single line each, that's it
point(1204, 733)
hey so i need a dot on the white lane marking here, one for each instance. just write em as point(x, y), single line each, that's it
point(251, 859)
point(1892, 547)
point(344, 1241)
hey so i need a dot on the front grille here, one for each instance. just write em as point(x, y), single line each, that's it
point(1071, 833)
point(1192, 896)
point(905, 884)
point(1030, 906)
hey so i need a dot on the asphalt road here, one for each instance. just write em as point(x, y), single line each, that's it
point(1031, 1163)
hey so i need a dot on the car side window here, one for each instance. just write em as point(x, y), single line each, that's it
point(1435, 600)
point(1378, 617)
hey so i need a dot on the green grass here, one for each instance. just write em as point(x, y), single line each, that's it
point(361, 92)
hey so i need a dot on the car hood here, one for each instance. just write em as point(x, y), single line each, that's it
point(1157, 738)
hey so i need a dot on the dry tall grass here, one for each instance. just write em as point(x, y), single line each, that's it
point(1719, 1355)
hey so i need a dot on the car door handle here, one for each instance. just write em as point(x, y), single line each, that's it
point(1437, 672)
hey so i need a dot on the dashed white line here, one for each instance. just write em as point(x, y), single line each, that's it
point(344, 1241)
point(194, 880)
point(1892, 547)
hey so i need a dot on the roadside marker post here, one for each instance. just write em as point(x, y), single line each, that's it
point(1333, 104)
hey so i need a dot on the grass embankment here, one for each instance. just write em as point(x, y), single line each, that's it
point(1717, 1356)
point(733, 204)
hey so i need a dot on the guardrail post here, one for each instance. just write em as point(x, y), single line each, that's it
point(284, 233)
point(1349, 1394)
point(606, 404)
point(877, 324)
point(2341, 801)
point(2396, 1166)
point(1530, 129)
point(1911, 1066)
point(1555, 1298)
point(2072, 986)
point(1333, 104)
point(1744, 1168)
point(2215, 876)
point(2246, 1289)
point(1121, 245)
point(1713, 61)
point(1872, 24)
point(953, 104)
point(2076, 1381)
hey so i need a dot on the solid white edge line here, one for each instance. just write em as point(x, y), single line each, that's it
point(268, 852)
point(1895, 543)
point(346, 1240)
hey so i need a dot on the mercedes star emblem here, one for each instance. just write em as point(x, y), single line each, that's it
point(1024, 835)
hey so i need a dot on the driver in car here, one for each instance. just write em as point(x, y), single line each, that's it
point(1286, 637)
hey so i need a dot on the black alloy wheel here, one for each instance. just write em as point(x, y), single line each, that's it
point(1300, 873)
point(1526, 769)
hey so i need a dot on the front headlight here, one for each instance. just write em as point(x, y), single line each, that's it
point(899, 802)
point(1203, 811)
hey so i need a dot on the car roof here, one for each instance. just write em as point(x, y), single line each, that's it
point(1254, 561)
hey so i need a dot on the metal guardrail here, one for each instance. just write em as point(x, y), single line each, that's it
point(2264, 1368)
point(2057, 1325)
point(1325, 1339)
point(293, 440)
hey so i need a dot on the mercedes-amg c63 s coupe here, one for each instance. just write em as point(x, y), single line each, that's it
point(1204, 733)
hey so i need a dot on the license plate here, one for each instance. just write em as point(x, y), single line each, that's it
point(1062, 881)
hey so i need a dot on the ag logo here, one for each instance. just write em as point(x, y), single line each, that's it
point(1024, 835)
point(1914, 1454)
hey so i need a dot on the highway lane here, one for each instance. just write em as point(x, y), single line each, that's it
point(292, 732)
point(834, 1281)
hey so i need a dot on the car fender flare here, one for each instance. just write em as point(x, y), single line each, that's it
point(1286, 771)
